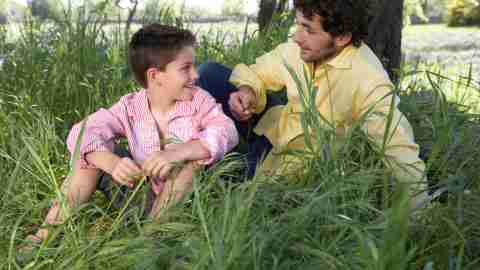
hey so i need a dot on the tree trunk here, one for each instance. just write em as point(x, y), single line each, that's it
point(282, 6)
point(265, 14)
point(39, 8)
point(3, 19)
point(131, 16)
point(385, 35)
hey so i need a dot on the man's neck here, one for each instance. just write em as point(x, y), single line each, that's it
point(328, 59)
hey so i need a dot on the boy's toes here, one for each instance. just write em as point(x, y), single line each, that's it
point(32, 241)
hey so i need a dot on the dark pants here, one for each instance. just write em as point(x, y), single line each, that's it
point(214, 79)
point(119, 195)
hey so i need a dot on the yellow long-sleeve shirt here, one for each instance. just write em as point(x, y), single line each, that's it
point(348, 86)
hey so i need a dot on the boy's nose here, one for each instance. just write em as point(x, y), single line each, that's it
point(194, 74)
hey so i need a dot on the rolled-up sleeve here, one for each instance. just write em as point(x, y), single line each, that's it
point(98, 135)
point(216, 132)
point(265, 74)
point(390, 130)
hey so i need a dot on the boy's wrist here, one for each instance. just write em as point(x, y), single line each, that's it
point(106, 161)
point(112, 164)
point(179, 154)
point(188, 151)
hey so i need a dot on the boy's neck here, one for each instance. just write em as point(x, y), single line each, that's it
point(159, 104)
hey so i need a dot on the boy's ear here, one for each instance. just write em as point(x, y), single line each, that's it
point(342, 40)
point(152, 74)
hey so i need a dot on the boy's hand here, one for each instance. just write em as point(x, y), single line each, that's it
point(159, 164)
point(242, 103)
point(126, 172)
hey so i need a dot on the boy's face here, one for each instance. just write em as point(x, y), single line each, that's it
point(178, 78)
point(316, 45)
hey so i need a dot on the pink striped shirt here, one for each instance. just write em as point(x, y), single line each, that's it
point(201, 118)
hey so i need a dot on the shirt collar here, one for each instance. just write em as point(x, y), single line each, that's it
point(341, 61)
point(139, 106)
point(184, 108)
point(344, 59)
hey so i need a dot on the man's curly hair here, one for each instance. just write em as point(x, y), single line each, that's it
point(156, 45)
point(339, 16)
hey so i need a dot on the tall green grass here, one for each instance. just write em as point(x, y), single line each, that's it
point(334, 218)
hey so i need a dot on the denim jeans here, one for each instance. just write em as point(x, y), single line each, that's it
point(214, 78)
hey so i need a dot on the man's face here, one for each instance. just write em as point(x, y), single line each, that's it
point(316, 45)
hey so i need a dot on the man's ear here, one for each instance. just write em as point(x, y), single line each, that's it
point(342, 40)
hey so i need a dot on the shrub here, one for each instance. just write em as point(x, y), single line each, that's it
point(233, 7)
point(463, 13)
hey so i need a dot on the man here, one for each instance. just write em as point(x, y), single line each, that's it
point(350, 79)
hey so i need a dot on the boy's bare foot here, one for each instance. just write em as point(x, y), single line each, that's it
point(33, 240)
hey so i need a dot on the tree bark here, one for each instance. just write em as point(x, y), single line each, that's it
point(282, 5)
point(385, 35)
point(131, 16)
point(39, 8)
point(265, 14)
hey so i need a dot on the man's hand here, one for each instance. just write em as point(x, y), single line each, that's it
point(126, 172)
point(242, 103)
point(159, 164)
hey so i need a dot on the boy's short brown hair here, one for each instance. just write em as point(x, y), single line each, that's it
point(156, 45)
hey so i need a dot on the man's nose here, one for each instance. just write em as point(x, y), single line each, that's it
point(297, 37)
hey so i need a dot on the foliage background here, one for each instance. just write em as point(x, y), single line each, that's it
point(343, 214)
